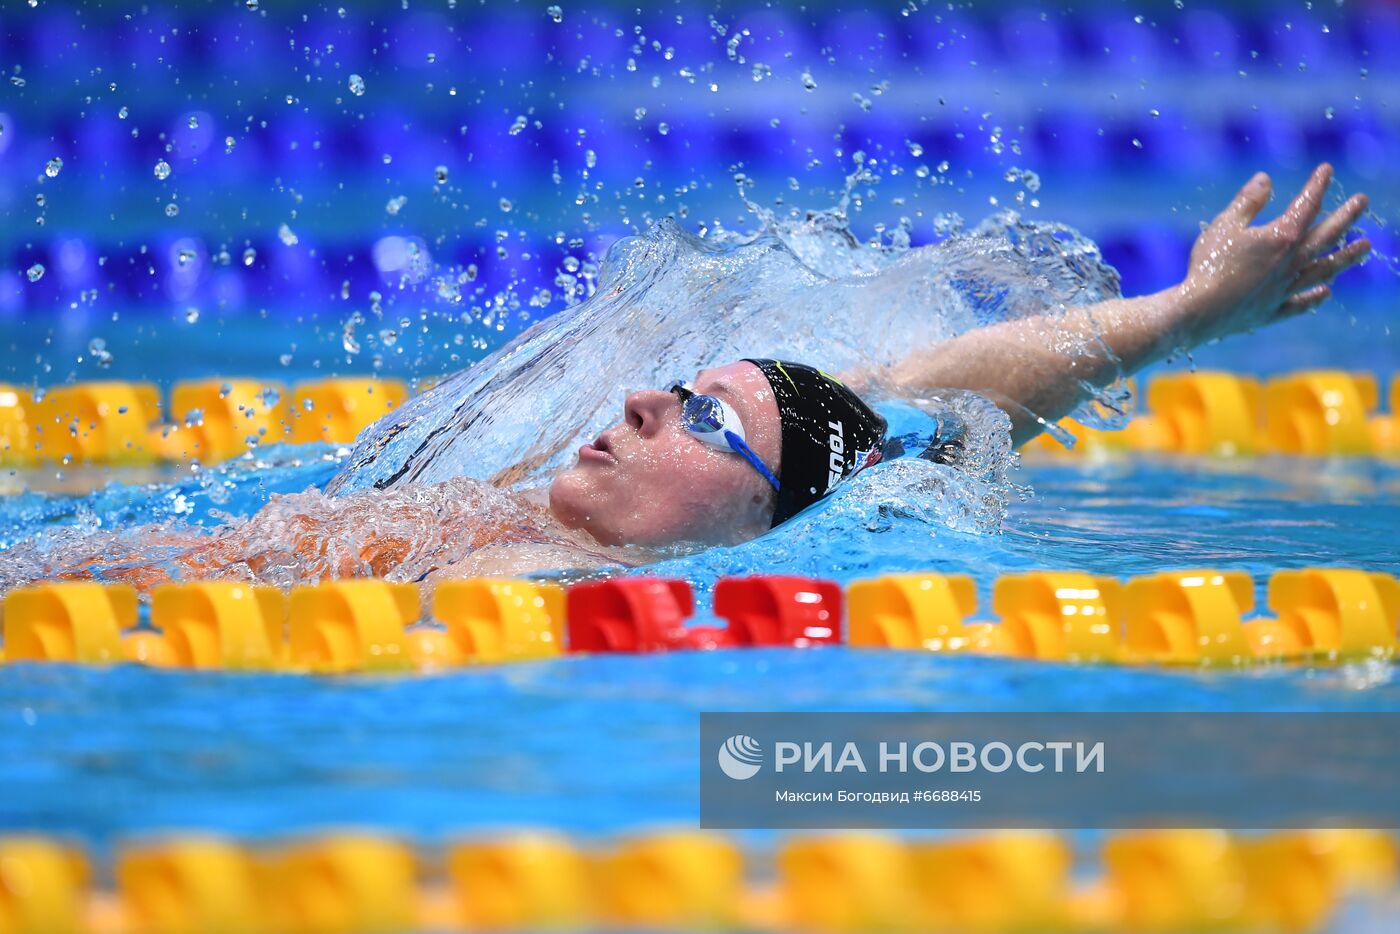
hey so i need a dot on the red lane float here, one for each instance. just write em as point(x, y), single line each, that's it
point(780, 610)
point(644, 614)
point(631, 614)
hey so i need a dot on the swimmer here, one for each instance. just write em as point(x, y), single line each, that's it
point(738, 449)
point(655, 478)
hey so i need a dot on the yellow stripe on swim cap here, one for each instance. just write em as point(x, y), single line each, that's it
point(786, 375)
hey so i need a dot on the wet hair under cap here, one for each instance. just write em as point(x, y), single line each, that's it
point(828, 434)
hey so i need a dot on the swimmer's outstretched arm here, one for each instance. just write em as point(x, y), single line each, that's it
point(1239, 278)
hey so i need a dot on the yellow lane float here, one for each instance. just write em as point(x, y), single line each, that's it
point(96, 423)
point(68, 622)
point(352, 625)
point(339, 409)
point(222, 624)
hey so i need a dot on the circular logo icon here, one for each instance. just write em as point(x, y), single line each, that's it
point(740, 757)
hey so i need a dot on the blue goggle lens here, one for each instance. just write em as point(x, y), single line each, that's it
point(703, 413)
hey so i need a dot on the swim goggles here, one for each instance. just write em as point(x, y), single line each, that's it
point(715, 422)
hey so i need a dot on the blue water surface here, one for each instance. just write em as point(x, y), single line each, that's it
point(595, 744)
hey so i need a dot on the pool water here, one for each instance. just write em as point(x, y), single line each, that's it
point(102, 752)
point(411, 230)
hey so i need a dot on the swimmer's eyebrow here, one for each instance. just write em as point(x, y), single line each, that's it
point(719, 387)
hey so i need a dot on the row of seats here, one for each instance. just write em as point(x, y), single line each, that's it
point(185, 269)
point(1150, 881)
point(1194, 617)
point(1076, 143)
point(1107, 39)
point(1315, 413)
point(1320, 413)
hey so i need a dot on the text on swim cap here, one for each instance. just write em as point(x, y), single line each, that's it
point(836, 441)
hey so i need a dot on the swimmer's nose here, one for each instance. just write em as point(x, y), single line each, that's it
point(647, 410)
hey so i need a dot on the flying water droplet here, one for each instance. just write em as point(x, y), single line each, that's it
point(35, 272)
point(440, 173)
point(555, 13)
point(192, 314)
point(97, 350)
point(249, 255)
point(53, 167)
point(357, 85)
point(162, 170)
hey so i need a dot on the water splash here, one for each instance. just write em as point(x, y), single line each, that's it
point(669, 303)
point(429, 487)
point(406, 534)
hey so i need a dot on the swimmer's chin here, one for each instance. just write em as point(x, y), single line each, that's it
point(569, 506)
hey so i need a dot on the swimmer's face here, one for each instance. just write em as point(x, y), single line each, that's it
point(648, 481)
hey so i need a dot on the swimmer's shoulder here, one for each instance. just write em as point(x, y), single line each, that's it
point(931, 432)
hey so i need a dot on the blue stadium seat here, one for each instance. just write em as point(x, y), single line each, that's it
point(1033, 38)
point(947, 43)
point(1131, 48)
point(861, 39)
point(1210, 40)
point(1267, 136)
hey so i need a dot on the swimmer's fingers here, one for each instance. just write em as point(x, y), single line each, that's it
point(1332, 265)
point(1334, 226)
point(1303, 211)
point(1248, 201)
point(1304, 301)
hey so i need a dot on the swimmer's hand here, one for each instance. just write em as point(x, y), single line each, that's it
point(1038, 368)
point(1242, 277)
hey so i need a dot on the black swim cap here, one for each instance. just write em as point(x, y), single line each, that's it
point(828, 434)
